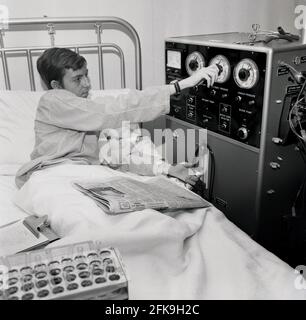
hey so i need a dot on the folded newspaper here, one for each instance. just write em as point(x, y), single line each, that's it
point(123, 194)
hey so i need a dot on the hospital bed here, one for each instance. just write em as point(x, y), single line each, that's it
point(192, 254)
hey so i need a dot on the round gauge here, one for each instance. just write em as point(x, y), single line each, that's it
point(246, 74)
point(194, 62)
point(225, 68)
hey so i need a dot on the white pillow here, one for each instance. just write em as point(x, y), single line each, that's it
point(17, 114)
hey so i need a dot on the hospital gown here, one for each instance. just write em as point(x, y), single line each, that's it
point(67, 127)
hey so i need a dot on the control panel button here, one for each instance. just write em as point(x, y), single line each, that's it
point(224, 124)
point(238, 99)
point(274, 165)
point(225, 109)
point(213, 92)
point(190, 100)
point(242, 133)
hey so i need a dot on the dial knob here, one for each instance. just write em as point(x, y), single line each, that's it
point(220, 68)
point(242, 133)
point(193, 65)
point(194, 61)
point(224, 67)
point(244, 74)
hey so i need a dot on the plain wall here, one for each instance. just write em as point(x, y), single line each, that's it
point(179, 17)
point(154, 20)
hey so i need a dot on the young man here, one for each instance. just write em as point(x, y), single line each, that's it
point(68, 124)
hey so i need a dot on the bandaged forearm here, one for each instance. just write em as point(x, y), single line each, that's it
point(149, 169)
point(138, 156)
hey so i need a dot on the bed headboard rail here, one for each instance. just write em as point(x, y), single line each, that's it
point(80, 23)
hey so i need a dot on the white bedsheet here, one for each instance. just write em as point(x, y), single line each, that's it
point(196, 254)
point(9, 212)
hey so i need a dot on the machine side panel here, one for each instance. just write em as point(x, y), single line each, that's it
point(282, 170)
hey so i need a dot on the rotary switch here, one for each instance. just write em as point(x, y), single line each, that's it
point(193, 65)
point(244, 74)
point(194, 61)
point(242, 133)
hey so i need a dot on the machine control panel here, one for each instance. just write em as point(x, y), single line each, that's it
point(232, 107)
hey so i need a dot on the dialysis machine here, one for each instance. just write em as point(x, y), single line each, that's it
point(258, 167)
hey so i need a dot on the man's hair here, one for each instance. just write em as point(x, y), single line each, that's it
point(53, 63)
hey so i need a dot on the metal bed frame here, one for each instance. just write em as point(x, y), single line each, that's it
point(79, 23)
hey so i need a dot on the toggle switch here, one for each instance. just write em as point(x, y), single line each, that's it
point(274, 165)
point(242, 133)
point(213, 92)
point(270, 192)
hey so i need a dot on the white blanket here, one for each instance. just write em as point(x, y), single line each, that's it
point(8, 211)
point(196, 254)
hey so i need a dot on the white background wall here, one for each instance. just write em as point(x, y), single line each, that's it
point(179, 17)
point(155, 20)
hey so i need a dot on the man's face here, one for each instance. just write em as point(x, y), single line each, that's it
point(77, 81)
